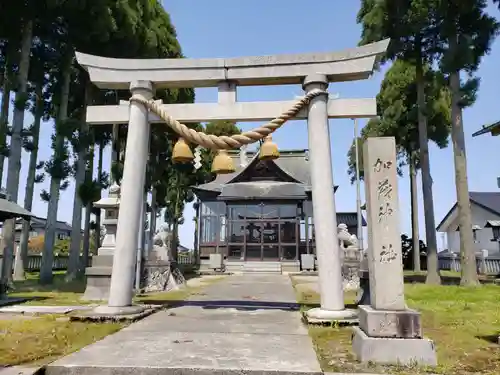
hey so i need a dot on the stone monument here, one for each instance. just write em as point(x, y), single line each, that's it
point(161, 273)
point(99, 275)
point(389, 332)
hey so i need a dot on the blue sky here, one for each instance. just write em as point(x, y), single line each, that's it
point(224, 28)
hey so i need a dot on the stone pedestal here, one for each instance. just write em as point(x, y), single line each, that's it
point(388, 331)
point(161, 274)
point(350, 268)
point(385, 323)
point(307, 262)
point(393, 350)
point(99, 275)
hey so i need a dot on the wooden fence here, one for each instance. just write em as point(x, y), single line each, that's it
point(488, 266)
point(60, 262)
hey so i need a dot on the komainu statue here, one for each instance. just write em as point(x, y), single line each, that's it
point(161, 273)
point(347, 240)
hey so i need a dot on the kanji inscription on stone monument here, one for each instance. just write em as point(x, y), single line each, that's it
point(384, 250)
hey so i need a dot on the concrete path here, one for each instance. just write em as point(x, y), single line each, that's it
point(19, 370)
point(242, 324)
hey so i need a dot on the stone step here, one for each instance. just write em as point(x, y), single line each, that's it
point(262, 267)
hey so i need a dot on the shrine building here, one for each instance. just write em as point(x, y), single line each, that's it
point(261, 213)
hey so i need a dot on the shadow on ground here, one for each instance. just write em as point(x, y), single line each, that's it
point(237, 304)
point(18, 300)
point(492, 339)
point(58, 285)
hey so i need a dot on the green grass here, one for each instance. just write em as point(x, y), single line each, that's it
point(59, 293)
point(176, 295)
point(463, 322)
point(62, 293)
point(40, 340)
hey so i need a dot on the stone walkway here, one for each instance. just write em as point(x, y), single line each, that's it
point(242, 324)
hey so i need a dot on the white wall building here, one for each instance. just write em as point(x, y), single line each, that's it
point(485, 209)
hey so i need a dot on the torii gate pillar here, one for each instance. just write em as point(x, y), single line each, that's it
point(131, 202)
point(324, 212)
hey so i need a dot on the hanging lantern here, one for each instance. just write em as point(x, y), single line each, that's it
point(182, 152)
point(269, 149)
point(222, 164)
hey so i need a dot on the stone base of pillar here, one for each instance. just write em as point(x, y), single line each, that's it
point(116, 314)
point(321, 316)
point(393, 350)
point(403, 324)
point(392, 337)
point(118, 310)
point(98, 278)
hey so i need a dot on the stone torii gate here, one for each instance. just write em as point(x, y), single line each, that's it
point(314, 71)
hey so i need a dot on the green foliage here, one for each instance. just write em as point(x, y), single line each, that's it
point(410, 24)
point(62, 246)
point(466, 33)
point(217, 128)
point(398, 112)
point(397, 106)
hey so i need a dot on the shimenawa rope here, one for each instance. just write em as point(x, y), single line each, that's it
point(227, 142)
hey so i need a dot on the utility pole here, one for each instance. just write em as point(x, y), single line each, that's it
point(358, 188)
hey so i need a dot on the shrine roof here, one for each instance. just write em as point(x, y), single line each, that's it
point(293, 165)
point(263, 190)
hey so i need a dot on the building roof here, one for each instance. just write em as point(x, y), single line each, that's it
point(490, 201)
point(263, 190)
point(39, 222)
point(350, 219)
point(293, 165)
point(494, 129)
point(9, 210)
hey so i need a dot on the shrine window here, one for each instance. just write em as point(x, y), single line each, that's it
point(212, 222)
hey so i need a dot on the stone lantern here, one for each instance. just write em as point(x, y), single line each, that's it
point(99, 275)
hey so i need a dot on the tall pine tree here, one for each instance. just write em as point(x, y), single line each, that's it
point(466, 32)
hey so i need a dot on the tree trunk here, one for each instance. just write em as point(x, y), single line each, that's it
point(88, 210)
point(55, 181)
point(86, 239)
point(115, 151)
point(4, 111)
point(175, 229)
point(196, 230)
point(467, 251)
point(175, 241)
point(76, 221)
point(14, 166)
point(30, 187)
point(97, 232)
point(433, 276)
point(152, 220)
point(414, 214)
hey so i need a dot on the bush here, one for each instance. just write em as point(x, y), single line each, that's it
point(407, 250)
point(35, 245)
